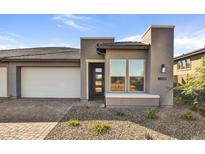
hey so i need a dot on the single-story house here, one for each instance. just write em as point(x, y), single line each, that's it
point(122, 73)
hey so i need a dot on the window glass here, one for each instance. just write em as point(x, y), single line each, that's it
point(136, 84)
point(117, 74)
point(117, 83)
point(136, 67)
point(188, 63)
point(136, 75)
point(98, 83)
point(183, 64)
point(179, 65)
point(117, 67)
point(98, 76)
point(98, 70)
point(98, 89)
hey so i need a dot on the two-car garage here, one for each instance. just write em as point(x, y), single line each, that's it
point(50, 82)
point(45, 72)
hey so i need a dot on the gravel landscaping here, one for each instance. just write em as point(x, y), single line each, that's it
point(132, 124)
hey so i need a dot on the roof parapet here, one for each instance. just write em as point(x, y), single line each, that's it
point(157, 26)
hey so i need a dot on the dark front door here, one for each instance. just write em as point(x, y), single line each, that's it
point(96, 80)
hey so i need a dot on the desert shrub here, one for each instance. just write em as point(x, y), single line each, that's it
point(151, 113)
point(100, 127)
point(73, 122)
point(187, 115)
point(195, 85)
point(181, 98)
point(148, 136)
point(120, 113)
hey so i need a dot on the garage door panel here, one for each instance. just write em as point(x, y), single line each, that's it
point(50, 82)
point(3, 81)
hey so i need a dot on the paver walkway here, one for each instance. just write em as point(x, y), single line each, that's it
point(25, 131)
point(31, 119)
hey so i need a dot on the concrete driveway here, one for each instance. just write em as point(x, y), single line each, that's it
point(31, 119)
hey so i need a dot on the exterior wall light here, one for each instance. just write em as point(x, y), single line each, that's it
point(163, 68)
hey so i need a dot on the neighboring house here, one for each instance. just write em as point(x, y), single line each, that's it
point(187, 64)
point(122, 73)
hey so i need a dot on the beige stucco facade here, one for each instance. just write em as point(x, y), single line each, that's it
point(89, 55)
point(160, 52)
point(156, 49)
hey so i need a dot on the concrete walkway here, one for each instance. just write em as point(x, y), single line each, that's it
point(31, 119)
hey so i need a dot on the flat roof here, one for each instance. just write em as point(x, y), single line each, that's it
point(95, 38)
point(157, 26)
point(122, 44)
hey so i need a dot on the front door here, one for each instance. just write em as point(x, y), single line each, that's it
point(96, 80)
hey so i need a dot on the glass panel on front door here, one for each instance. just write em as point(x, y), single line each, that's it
point(98, 80)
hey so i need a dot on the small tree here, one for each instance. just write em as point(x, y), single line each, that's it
point(195, 85)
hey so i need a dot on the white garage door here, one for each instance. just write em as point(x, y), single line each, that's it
point(3, 82)
point(50, 82)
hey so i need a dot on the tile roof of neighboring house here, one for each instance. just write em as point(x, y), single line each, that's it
point(202, 50)
point(42, 53)
point(101, 47)
point(123, 44)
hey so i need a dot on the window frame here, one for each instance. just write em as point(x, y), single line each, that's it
point(110, 80)
point(127, 77)
point(128, 88)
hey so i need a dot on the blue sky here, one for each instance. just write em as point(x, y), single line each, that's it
point(20, 31)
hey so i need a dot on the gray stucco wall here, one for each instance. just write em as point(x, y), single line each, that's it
point(161, 52)
point(89, 52)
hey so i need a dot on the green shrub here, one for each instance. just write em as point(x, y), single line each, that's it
point(73, 122)
point(100, 127)
point(151, 113)
point(187, 115)
point(120, 113)
point(195, 84)
point(181, 98)
point(148, 136)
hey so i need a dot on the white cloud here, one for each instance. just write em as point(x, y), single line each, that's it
point(183, 43)
point(75, 21)
point(131, 38)
point(188, 42)
point(10, 41)
point(71, 16)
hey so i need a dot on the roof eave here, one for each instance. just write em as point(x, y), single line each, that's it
point(125, 47)
point(40, 60)
point(193, 53)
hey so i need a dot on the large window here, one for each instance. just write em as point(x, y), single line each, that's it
point(130, 71)
point(117, 74)
point(136, 75)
